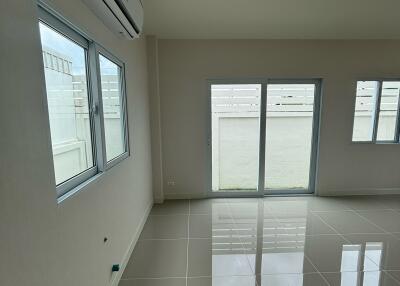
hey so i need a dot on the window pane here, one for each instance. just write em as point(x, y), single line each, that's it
point(364, 110)
point(388, 110)
point(288, 139)
point(235, 119)
point(112, 108)
point(68, 104)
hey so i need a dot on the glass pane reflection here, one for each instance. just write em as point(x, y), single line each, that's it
point(268, 242)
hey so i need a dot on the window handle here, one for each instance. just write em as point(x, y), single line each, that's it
point(95, 109)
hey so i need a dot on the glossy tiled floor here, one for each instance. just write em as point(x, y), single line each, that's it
point(295, 241)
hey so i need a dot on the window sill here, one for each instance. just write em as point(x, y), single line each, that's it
point(92, 179)
point(79, 188)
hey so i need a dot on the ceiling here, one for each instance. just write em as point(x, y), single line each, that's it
point(273, 19)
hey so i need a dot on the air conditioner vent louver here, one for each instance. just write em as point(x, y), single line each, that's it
point(123, 17)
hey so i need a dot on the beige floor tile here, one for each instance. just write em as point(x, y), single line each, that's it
point(310, 224)
point(382, 249)
point(222, 281)
point(325, 252)
point(270, 241)
point(345, 222)
point(157, 259)
point(396, 234)
point(394, 274)
point(371, 278)
point(165, 227)
point(363, 202)
point(207, 226)
point(311, 279)
point(171, 207)
point(388, 220)
point(217, 257)
point(154, 282)
point(208, 206)
point(391, 202)
point(281, 261)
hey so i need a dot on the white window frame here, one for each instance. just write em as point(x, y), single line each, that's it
point(261, 190)
point(124, 114)
point(376, 111)
point(56, 22)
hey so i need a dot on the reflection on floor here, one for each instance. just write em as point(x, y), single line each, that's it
point(296, 241)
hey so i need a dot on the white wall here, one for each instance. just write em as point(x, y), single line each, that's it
point(41, 242)
point(343, 167)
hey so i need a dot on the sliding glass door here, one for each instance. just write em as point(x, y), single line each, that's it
point(263, 136)
point(235, 120)
point(289, 136)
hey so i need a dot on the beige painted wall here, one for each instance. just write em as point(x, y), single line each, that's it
point(344, 167)
point(41, 242)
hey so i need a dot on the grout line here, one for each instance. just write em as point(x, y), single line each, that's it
point(348, 210)
point(337, 233)
point(241, 241)
point(242, 238)
point(224, 276)
point(187, 245)
point(229, 276)
point(285, 234)
point(304, 252)
point(331, 227)
point(315, 267)
point(175, 238)
point(343, 236)
point(396, 235)
point(152, 278)
point(253, 275)
point(374, 224)
point(387, 272)
point(173, 214)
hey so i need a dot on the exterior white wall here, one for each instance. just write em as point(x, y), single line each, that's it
point(43, 243)
point(343, 167)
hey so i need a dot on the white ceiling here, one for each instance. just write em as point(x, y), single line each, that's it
point(273, 19)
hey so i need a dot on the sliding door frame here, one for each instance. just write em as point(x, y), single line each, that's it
point(312, 179)
point(225, 194)
point(261, 191)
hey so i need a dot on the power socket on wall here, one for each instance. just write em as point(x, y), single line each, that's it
point(171, 184)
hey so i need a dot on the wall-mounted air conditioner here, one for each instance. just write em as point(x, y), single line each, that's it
point(124, 17)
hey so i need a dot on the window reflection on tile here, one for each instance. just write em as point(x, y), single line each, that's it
point(361, 265)
point(273, 237)
point(373, 251)
point(351, 258)
point(228, 256)
point(252, 242)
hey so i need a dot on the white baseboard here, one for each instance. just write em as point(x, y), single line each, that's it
point(184, 196)
point(128, 253)
point(359, 192)
point(158, 200)
point(322, 193)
